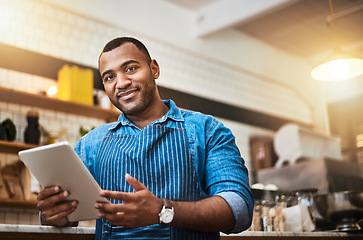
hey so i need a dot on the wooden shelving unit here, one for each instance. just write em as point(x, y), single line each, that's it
point(14, 147)
point(41, 101)
point(18, 203)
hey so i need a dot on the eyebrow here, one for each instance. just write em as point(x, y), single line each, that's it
point(121, 66)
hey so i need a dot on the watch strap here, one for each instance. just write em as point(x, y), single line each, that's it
point(167, 203)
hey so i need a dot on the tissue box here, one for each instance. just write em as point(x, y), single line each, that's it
point(298, 219)
point(75, 84)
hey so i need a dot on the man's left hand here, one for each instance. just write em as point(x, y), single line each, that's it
point(140, 208)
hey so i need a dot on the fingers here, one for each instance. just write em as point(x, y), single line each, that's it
point(122, 196)
point(113, 213)
point(118, 219)
point(134, 183)
point(107, 207)
point(58, 216)
point(50, 198)
point(59, 208)
point(120, 215)
point(139, 208)
point(48, 191)
point(54, 207)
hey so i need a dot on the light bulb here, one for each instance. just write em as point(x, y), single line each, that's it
point(339, 68)
point(52, 91)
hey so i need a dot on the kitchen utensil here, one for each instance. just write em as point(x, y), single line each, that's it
point(32, 130)
point(343, 208)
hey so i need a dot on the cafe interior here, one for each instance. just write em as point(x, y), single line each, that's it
point(286, 76)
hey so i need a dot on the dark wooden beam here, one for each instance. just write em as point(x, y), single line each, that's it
point(47, 66)
point(23, 60)
point(218, 109)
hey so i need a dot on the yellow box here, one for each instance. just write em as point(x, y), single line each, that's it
point(75, 84)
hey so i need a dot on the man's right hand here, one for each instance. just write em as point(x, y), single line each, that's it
point(54, 207)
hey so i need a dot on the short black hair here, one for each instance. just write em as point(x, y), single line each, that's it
point(115, 43)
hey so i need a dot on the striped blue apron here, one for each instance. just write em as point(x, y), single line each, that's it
point(158, 157)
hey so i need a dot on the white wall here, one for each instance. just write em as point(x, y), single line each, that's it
point(229, 67)
point(167, 24)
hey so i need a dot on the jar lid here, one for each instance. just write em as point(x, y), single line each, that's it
point(32, 114)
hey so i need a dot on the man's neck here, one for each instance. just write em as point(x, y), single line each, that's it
point(149, 116)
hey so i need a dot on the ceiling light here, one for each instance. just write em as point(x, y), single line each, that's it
point(340, 65)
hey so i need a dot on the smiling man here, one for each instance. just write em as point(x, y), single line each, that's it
point(128, 76)
point(169, 173)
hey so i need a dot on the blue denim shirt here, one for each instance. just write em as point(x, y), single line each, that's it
point(219, 166)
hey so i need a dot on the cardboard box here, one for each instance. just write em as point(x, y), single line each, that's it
point(75, 84)
point(15, 182)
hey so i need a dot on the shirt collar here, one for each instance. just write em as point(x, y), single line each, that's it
point(174, 113)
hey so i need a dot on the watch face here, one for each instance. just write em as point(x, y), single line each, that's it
point(167, 216)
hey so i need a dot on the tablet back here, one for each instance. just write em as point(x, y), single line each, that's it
point(59, 165)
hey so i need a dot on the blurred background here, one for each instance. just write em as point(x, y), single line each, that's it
point(246, 62)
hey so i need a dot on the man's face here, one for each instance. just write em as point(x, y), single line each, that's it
point(128, 79)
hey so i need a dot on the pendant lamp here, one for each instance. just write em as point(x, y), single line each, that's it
point(339, 65)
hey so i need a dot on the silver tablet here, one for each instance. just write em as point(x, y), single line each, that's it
point(59, 165)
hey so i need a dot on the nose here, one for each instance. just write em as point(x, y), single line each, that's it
point(122, 81)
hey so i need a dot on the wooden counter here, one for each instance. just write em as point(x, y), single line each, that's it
point(249, 235)
point(18, 232)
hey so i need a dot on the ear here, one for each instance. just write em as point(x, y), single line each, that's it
point(154, 67)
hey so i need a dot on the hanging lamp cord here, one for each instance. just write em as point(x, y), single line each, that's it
point(334, 27)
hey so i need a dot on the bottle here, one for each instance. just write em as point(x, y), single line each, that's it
point(32, 131)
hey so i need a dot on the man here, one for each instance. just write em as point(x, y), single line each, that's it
point(169, 173)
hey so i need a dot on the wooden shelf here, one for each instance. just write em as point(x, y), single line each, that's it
point(41, 101)
point(33, 63)
point(14, 147)
point(18, 203)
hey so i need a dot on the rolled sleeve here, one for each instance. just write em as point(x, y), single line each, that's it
point(239, 209)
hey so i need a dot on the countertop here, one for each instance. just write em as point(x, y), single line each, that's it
point(13, 231)
point(45, 229)
point(251, 235)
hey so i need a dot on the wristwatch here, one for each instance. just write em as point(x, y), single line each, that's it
point(167, 212)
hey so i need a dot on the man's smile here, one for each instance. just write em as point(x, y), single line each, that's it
point(125, 95)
